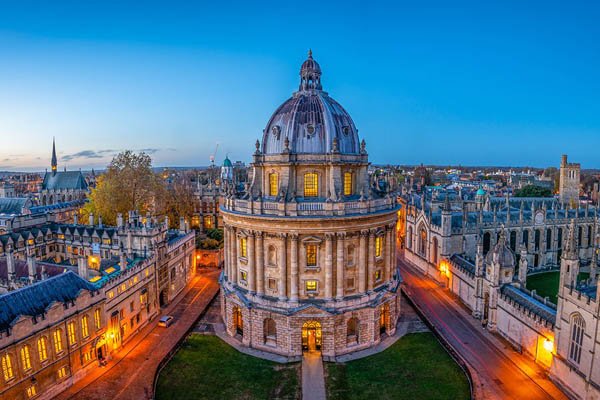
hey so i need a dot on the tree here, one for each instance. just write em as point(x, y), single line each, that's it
point(129, 184)
point(533, 191)
point(176, 200)
point(554, 174)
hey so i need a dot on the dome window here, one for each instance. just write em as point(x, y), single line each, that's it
point(346, 130)
point(310, 129)
point(276, 131)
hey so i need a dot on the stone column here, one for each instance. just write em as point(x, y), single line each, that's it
point(328, 265)
point(227, 260)
point(251, 263)
point(234, 256)
point(339, 290)
point(371, 261)
point(260, 263)
point(362, 266)
point(388, 253)
point(283, 267)
point(294, 267)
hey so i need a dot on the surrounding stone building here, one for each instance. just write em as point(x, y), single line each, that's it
point(61, 186)
point(309, 243)
point(569, 183)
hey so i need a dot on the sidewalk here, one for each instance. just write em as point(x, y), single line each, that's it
point(130, 374)
point(313, 379)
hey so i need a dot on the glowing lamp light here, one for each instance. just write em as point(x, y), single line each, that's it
point(548, 345)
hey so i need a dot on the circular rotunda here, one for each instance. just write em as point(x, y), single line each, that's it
point(310, 255)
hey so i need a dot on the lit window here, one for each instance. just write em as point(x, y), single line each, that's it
point(62, 372)
point(7, 368)
point(71, 331)
point(42, 351)
point(25, 358)
point(86, 356)
point(273, 184)
point(123, 287)
point(58, 345)
point(111, 294)
point(311, 255)
point(311, 185)
point(31, 391)
point(243, 247)
point(377, 275)
point(311, 285)
point(378, 246)
point(243, 276)
point(347, 183)
point(97, 319)
point(84, 327)
point(208, 222)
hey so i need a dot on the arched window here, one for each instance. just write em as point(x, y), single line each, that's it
point(272, 255)
point(85, 331)
point(560, 238)
point(526, 238)
point(58, 344)
point(577, 332)
point(548, 239)
point(422, 241)
point(7, 368)
point(579, 237)
point(311, 255)
point(434, 248)
point(311, 184)
point(590, 238)
point(348, 184)
point(273, 184)
point(25, 358)
point(238, 321)
point(352, 331)
point(71, 332)
point(270, 331)
point(537, 239)
point(513, 240)
point(42, 349)
point(409, 240)
point(350, 255)
point(487, 240)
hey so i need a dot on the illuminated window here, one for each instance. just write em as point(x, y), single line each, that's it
point(243, 247)
point(58, 345)
point(25, 358)
point(243, 276)
point(62, 373)
point(31, 391)
point(208, 222)
point(123, 287)
point(377, 275)
point(347, 183)
point(273, 184)
point(311, 185)
point(42, 351)
point(71, 332)
point(311, 255)
point(85, 327)
point(7, 369)
point(378, 246)
point(97, 319)
point(311, 285)
point(111, 294)
point(87, 356)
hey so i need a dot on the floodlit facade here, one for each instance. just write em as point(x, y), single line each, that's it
point(310, 242)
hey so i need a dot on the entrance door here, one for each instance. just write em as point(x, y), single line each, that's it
point(384, 313)
point(311, 336)
point(162, 298)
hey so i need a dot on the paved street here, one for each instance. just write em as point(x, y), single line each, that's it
point(130, 374)
point(501, 372)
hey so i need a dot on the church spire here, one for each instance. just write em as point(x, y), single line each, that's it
point(54, 163)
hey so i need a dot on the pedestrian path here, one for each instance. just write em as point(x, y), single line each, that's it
point(313, 379)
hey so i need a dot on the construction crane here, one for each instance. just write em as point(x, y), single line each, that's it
point(214, 154)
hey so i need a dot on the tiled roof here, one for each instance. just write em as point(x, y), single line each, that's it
point(64, 180)
point(35, 299)
point(530, 303)
point(463, 263)
point(13, 205)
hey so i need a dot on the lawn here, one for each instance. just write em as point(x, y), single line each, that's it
point(545, 284)
point(415, 367)
point(207, 368)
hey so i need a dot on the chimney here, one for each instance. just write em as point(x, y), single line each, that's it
point(182, 225)
point(99, 221)
point(119, 220)
point(167, 221)
point(76, 219)
point(123, 261)
point(10, 265)
point(82, 267)
point(148, 220)
point(91, 219)
point(31, 270)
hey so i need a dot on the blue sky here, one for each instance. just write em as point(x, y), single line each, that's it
point(471, 83)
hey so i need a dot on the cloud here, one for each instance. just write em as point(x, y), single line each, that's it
point(150, 150)
point(85, 154)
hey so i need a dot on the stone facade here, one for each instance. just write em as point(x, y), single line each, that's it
point(310, 243)
point(569, 184)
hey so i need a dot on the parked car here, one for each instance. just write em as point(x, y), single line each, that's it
point(166, 321)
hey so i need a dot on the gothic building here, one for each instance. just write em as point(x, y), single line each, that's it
point(309, 243)
point(61, 186)
point(569, 181)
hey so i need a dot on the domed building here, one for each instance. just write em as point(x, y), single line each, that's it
point(310, 259)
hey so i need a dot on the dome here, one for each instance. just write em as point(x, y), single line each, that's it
point(480, 192)
point(227, 162)
point(501, 253)
point(310, 120)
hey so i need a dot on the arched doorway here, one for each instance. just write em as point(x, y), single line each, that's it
point(384, 315)
point(311, 336)
point(163, 298)
point(238, 321)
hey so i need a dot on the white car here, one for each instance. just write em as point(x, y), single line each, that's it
point(166, 321)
